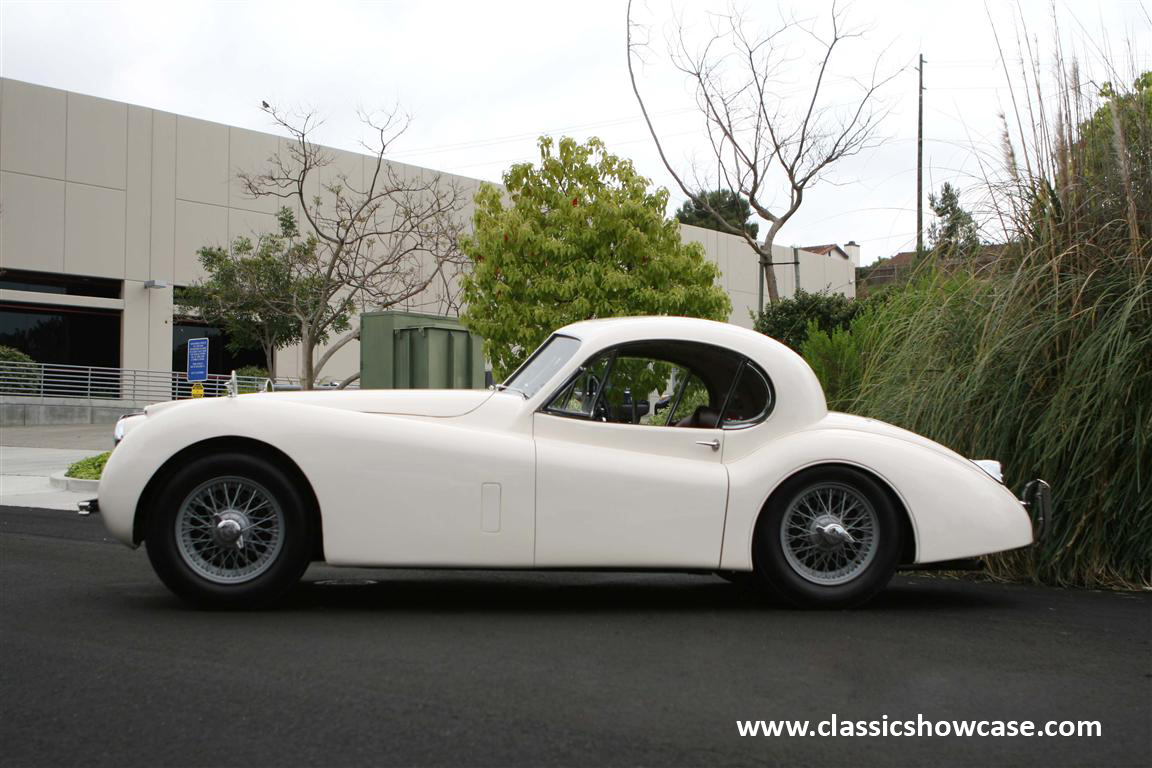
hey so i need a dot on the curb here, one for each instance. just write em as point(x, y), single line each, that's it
point(75, 484)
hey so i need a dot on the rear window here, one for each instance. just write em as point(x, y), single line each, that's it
point(750, 399)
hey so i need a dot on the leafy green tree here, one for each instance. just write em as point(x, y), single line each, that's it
point(954, 233)
point(788, 320)
point(578, 236)
point(259, 291)
point(733, 208)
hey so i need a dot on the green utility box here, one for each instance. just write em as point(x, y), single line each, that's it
point(410, 350)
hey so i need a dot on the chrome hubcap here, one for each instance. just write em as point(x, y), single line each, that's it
point(828, 534)
point(229, 530)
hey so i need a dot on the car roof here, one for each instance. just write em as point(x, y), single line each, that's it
point(616, 330)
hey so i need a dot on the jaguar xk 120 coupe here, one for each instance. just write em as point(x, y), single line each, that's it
point(634, 443)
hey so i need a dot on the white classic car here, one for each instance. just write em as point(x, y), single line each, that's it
point(634, 443)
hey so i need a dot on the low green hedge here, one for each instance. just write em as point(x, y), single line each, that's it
point(89, 468)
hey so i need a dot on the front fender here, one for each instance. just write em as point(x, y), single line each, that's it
point(391, 489)
point(955, 509)
point(166, 431)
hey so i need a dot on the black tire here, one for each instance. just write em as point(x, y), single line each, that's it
point(280, 570)
point(781, 571)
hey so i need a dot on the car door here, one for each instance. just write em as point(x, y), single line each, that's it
point(614, 487)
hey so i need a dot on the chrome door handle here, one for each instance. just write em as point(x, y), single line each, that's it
point(713, 444)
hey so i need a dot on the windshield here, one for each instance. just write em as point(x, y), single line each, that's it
point(542, 366)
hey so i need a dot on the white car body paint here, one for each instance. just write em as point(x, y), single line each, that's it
point(485, 479)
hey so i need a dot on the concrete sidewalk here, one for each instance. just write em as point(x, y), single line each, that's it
point(29, 456)
point(89, 437)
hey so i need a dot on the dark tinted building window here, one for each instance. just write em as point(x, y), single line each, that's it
point(220, 360)
point(63, 335)
point(67, 285)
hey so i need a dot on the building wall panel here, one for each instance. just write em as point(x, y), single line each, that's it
point(163, 209)
point(138, 195)
point(97, 141)
point(137, 325)
point(31, 222)
point(33, 129)
point(94, 231)
point(202, 164)
point(197, 225)
point(250, 224)
point(250, 151)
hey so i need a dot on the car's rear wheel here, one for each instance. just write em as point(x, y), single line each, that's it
point(229, 531)
point(828, 538)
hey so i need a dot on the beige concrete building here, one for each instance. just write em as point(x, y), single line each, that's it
point(103, 206)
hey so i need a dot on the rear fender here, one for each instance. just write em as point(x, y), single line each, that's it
point(955, 509)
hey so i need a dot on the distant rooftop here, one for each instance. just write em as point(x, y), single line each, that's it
point(825, 250)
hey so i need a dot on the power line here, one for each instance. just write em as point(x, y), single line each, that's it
point(920, 161)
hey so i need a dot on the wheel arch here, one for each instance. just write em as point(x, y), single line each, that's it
point(220, 445)
point(908, 530)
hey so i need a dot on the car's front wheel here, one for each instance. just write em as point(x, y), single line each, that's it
point(828, 538)
point(229, 531)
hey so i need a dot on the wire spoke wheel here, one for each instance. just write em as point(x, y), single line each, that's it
point(829, 533)
point(229, 530)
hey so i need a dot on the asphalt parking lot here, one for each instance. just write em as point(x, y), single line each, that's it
point(101, 666)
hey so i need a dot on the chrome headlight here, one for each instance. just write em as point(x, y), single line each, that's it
point(122, 425)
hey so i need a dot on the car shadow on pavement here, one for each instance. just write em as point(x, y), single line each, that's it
point(441, 592)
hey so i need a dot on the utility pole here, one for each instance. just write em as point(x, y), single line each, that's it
point(920, 163)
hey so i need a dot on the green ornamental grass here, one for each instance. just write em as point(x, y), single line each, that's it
point(1043, 358)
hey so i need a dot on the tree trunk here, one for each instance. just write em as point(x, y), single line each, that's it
point(769, 271)
point(307, 349)
point(270, 359)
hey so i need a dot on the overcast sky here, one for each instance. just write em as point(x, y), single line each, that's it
point(483, 79)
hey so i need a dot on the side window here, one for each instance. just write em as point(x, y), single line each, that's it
point(635, 382)
point(666, 383)
point(750, 400)
point(691, 405)
point(579, 397)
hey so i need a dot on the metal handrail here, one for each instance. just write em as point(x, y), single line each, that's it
point(95, 383)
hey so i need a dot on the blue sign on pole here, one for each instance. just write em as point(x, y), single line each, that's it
point(197, 359)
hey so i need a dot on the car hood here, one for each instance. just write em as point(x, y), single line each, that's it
point(434, 403)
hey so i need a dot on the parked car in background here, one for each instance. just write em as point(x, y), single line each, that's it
point(634, 443)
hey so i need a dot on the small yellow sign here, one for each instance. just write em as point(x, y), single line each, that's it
point(197, 389)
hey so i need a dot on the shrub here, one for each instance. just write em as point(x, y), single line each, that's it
point(788, 320)
point(18, 379)
point(253, 371)
point(90, 468)
point(839, 357)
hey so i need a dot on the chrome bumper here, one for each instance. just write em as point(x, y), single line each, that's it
point(1037, 499)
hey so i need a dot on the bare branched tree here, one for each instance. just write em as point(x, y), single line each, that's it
point(373, 245)
point(761, 141)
